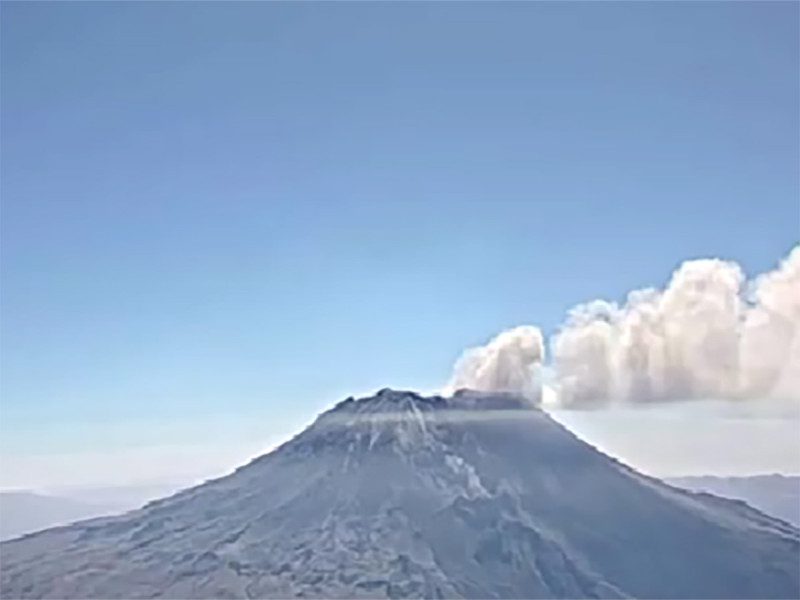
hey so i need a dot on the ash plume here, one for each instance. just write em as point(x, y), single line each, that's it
point(510, 362)
point(709, 333)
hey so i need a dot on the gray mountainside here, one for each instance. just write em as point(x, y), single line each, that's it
point(479, 495)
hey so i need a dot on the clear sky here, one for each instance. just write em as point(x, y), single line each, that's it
point(219, 218)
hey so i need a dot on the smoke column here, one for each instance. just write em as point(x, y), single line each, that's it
point(508, 363)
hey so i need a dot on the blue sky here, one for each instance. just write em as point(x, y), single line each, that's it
point(239, 213)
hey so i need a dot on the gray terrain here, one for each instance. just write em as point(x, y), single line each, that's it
point(24, 512)
point(398, 495)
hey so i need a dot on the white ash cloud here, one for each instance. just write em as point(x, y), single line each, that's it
point(709, 334)
point(510, 362)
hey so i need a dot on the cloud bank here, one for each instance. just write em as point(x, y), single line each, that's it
point(709, 333)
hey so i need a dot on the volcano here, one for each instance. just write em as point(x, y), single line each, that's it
point(478, 495)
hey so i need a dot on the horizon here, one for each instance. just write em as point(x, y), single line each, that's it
point(134, 493)
point(615, 433)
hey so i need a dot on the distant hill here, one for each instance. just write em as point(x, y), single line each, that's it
point(26, 512)
point(776, 495)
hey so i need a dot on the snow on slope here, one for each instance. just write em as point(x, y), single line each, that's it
point(479, 495)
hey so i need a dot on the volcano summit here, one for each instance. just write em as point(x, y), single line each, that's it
point(398, 495)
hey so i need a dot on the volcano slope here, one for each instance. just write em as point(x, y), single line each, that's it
point(398, 495)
